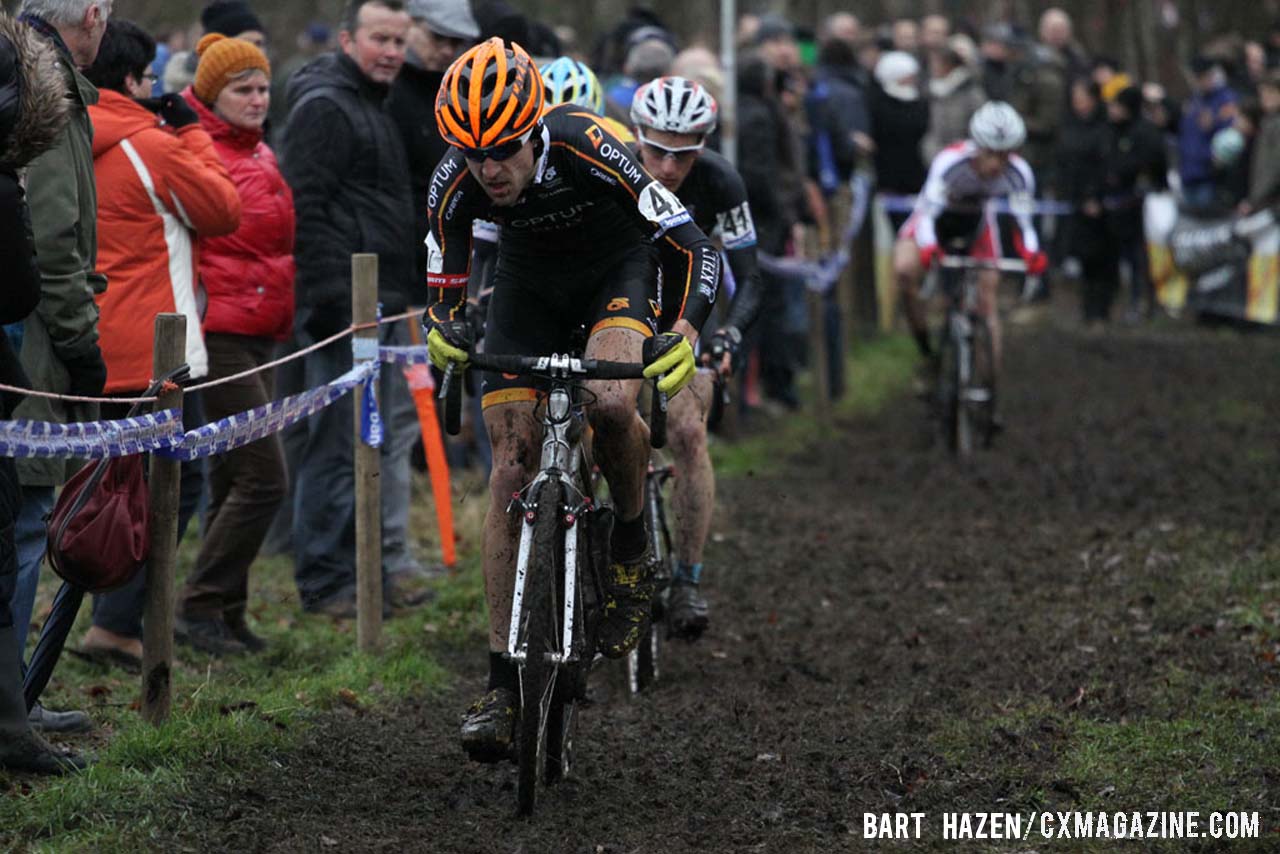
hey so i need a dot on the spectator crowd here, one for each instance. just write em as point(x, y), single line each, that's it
point(229, 174)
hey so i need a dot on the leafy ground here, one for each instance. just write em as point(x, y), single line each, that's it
point(1086, 618)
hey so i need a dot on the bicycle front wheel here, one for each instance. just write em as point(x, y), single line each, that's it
point(951, 371)
point(539, 637)
point(981, 393)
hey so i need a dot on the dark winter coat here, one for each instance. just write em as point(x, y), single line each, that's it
point(768, 165)
point(412, 105)
point(346, 163)
point(1083, 148)
point(42, 116)
point(836, 107)
point(1203, 116)
point(898, 128)
point(1137, 163)
point(63, 330)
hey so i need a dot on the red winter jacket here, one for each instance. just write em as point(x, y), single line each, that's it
point(248, 275)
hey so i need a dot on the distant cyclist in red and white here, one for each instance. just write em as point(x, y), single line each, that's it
point(963, 178)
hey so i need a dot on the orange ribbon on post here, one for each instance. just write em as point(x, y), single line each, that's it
point(422, 387)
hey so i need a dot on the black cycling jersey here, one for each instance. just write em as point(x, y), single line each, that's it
point(716, 198)
point(590, 203)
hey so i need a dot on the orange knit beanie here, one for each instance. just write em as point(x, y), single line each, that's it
point(221, 59)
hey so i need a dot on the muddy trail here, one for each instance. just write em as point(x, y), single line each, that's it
point(869, 598)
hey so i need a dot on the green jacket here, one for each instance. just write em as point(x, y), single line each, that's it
point(64, 217)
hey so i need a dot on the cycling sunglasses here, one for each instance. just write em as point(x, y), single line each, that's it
point(682, 154)
point(498, 153)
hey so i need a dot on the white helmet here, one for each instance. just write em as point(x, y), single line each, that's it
point(674, 105)
point(998, 127)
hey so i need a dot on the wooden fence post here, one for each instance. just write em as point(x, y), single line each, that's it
point(368, 462)
point(170, 351)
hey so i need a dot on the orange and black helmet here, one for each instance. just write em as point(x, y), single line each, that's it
point(490, 95)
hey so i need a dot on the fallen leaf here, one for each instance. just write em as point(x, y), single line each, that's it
point(768, 757)
point(431, 628)
point(717, 653)
point(328, 841)
point(98, 691)
point(349, 698)
point(1077, 700)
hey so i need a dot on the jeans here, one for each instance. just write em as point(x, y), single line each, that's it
point(120, 610)
point(324, 537)
point(31, 540)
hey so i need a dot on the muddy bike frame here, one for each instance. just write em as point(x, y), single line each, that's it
point(963, 395)
point(567, 646)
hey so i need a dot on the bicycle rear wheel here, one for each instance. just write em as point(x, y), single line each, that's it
point(642, 662)
point(539, 636)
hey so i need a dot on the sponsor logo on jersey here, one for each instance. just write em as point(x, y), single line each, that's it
point(453, 206)
point(552, 219)
point(618, 304)
point(624, 161)
point(709, 276)
point(596, 136)
point(448, 169)
point(608, 179)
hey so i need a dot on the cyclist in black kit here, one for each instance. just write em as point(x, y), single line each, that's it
point(579, 217)
point(672, 117)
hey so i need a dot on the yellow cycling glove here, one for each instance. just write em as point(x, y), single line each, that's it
point(674, 362)
point(442, 352)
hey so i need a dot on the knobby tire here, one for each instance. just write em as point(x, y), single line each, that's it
point(537, 675)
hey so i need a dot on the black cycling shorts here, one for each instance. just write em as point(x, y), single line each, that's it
point(537, 310)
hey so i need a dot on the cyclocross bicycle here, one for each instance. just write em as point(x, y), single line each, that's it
point(966, 386)
point(563, 553)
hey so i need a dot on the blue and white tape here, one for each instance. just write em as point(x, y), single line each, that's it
point(91, 440)
point(240, 429)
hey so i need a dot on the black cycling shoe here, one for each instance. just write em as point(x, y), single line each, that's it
point(686, 610)
point(628, 605)
point(488, 727)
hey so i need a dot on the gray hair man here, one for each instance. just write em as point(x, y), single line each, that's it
point(59, 342)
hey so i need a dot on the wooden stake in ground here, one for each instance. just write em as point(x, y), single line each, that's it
point(368, 462)
point(157, 641)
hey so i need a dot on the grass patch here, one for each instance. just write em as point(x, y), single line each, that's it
point(230, 717)
point(876, 372)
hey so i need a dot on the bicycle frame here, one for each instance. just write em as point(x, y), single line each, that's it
point(558, 461)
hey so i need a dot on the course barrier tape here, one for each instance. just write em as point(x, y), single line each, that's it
point(822, 274)
point(240, 429)
point(91, 440)
point(162, 433)
point(416, 355)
